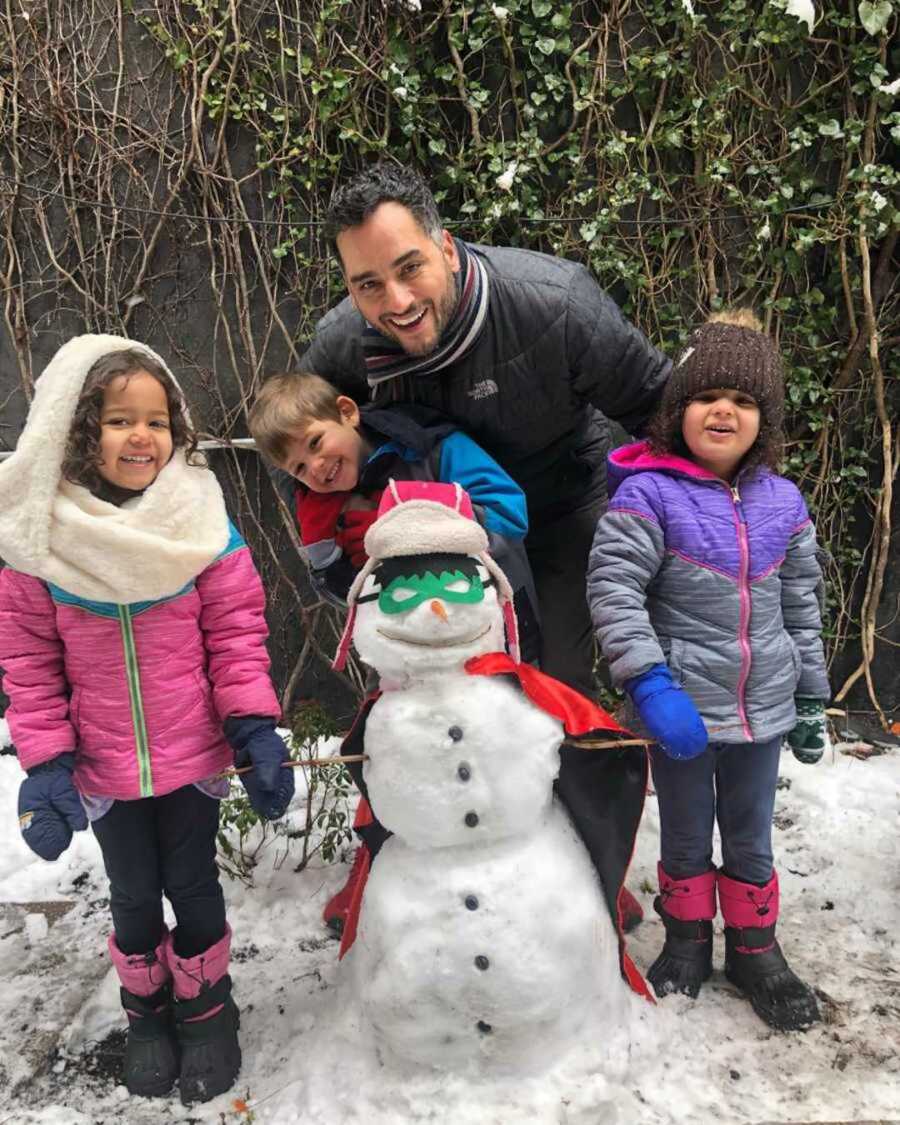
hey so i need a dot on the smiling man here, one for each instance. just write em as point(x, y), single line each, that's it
point(522, 350)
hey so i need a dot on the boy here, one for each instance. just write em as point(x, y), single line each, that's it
point(335, 458)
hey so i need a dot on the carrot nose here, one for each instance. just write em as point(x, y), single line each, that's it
point(438, 608)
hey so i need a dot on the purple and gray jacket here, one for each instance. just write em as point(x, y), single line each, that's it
point(718, 581)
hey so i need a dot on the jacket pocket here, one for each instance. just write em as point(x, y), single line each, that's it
point(74, 707)
point(673, 650)
point(796, 658)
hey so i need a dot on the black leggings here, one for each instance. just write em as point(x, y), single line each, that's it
point(163, 846)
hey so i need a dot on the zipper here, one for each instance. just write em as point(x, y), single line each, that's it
point(744, 600)
point(137, 706)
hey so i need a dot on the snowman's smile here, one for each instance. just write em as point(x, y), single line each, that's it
point(436, 642)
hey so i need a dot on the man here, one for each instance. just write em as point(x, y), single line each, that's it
point(521, 349)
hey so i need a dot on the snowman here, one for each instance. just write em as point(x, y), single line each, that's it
point(485, 934)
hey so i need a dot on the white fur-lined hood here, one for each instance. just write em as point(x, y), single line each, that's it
point(62, 533)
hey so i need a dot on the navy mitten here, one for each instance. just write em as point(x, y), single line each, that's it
point(668, 713)
point(50, 809)
point(269, 785)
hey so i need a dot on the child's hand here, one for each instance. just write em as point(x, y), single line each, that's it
point(351, 537)
point(269, 785)
point(50, 809)
point(668, 713)
point(809, 739)
point(317, 515)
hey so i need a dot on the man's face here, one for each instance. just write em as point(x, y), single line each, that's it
point(398, 278)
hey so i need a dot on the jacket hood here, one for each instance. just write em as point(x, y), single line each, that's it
point(416, 427)
point(639, 458)
point(62, 533)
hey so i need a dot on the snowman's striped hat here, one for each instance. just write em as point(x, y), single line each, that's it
point(424, 518)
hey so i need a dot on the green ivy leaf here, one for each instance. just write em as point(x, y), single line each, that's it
point(874, 17)
point(545, 45)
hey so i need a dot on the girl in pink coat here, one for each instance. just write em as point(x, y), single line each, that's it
point(132, 641)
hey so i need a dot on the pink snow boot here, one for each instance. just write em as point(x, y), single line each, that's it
point(151, 1051)
point(206, 1020)
point(753, 958)
point(687, 908)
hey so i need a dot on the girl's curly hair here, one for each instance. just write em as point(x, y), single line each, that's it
point(82, 455)
point(664, 431)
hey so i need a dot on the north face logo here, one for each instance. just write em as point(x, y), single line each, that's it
point(483, 389)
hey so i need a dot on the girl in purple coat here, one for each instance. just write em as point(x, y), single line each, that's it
point(132, 640)
point(703, 584)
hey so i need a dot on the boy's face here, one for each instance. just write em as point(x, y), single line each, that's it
point(327, 455)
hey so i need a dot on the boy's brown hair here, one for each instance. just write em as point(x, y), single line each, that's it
point(285, 407)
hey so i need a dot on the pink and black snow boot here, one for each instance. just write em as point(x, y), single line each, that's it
point(151, 1051)
point(206, 1021)
point(753, 958)
point(687, 908)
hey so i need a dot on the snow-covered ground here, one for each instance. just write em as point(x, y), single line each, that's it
point(307, 1057)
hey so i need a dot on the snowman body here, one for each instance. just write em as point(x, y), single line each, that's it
point(483, 935)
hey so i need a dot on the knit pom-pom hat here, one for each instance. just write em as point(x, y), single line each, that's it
point(730, 351)
point(426, 518)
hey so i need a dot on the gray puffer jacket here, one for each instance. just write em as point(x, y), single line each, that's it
point(554, 348)
point(720, 582)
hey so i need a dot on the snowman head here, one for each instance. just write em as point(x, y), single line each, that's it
point(430, 597)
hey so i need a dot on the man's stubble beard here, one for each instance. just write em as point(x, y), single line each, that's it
point(443, 313)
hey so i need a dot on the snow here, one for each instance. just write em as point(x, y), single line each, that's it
point(802, 10)
point(308, 1057)
point(420, 738)
point(536, 918)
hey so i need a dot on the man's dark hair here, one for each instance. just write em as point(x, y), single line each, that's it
point(384, 182)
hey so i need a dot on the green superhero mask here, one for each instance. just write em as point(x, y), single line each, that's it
point(405, 594)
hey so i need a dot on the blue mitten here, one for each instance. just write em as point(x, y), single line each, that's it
point(50, 809)
point(269, 785)
point(668, 713)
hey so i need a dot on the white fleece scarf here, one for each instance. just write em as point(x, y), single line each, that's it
point(62, 533)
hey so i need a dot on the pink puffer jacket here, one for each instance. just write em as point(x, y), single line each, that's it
point(139, 691)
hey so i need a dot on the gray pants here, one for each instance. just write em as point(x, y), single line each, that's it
point(558, 553)
point(732, 783)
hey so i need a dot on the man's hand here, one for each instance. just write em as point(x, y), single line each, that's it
point(668, 713)
point(50, 809)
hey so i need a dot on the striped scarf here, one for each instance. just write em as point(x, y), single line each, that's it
point(386, 360)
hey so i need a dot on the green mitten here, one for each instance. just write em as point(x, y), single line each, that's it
point(809, 738)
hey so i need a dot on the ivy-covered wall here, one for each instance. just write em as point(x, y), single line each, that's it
point(164, 168)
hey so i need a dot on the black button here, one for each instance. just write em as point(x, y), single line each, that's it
point(455, 733)
point(484, 1028)
point(463, 771)
point(471, 902)
point(471, 819)
point(481, 962)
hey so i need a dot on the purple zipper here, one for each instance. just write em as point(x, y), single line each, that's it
point(744, 596)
